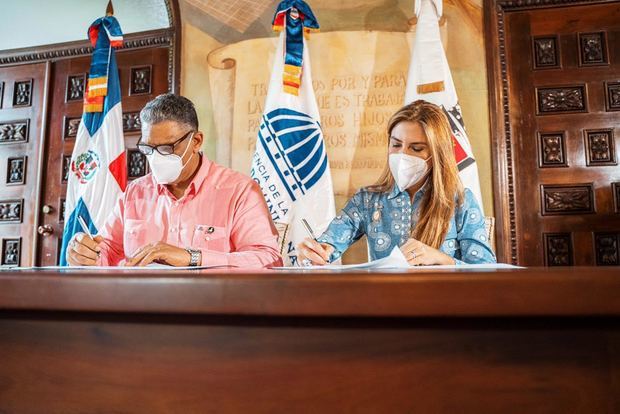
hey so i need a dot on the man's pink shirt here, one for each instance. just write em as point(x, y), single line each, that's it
point(223, 214)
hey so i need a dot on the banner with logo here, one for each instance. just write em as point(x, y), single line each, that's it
point(290, 163)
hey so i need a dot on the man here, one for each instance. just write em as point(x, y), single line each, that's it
point(188, 211)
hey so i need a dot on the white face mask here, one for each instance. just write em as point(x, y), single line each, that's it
point(167, 168)
point(407, 169)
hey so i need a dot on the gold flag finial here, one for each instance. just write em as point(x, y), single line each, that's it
point(109, 11)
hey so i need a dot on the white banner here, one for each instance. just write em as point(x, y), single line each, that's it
point(430, 79)
point(290, 163)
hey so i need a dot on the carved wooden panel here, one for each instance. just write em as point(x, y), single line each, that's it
point(131, 121)
point(615, 191)
point(1, 93)
point(75, 87)
point(22, 148)
point(136, 164)
point(22, 93)
point(11, 211)
point(14, 131)
point(552, 149)
point(546, 53)
point(561, 99)
point(16, 170)
point(575, 199)
point(558, 249)
point(567, 199)
point(61, 210)
point(593, 49)
point(612, 95)
point(66, 162)
point(11, 252)
point(600, 149)
point(140, 80)
point(71, 126)
point(606, 248)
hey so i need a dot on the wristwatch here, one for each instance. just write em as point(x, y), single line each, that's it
point(195, 258)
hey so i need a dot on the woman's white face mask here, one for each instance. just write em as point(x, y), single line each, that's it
point(407, 170)
point(167, 168)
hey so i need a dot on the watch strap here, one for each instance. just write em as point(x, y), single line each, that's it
point(195, 257)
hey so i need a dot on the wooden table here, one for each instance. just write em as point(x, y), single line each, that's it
point(514, 341)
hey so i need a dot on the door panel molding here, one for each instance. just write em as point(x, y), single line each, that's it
point(503, 157)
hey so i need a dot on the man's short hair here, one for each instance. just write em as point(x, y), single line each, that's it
point(170, 107)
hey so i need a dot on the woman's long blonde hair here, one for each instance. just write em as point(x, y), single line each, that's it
point(444, 187)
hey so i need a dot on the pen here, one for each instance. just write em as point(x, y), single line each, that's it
point(309, 230)
point(84, 226)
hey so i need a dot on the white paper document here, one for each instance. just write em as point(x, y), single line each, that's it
point(396, 260)
point(152, 266)
point(476, 266)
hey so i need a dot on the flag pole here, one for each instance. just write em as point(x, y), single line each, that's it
point(109, 11)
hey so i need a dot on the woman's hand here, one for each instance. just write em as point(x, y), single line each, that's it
point(317, 253)
point(419, 254)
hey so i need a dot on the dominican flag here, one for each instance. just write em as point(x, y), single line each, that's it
point(430, 79)
point(98, 169)
point(290, 163)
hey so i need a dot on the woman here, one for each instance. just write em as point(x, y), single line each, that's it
point(418, 204)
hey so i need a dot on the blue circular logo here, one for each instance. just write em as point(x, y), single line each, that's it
point(293, 141)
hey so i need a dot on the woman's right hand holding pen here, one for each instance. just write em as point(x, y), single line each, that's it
point(315, 252)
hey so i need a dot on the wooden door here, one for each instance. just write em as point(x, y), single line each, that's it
point(143, 75)
point(22, 107)
point(562, 79)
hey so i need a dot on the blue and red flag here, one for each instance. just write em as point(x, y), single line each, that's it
point(98, 169)
point(430, 79)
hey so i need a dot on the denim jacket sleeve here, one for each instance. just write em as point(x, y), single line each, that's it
point(471, 233)
point(346, 228)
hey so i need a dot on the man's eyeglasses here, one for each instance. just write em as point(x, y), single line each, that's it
point(164, 149)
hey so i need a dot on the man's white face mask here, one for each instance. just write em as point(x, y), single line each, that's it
point(167, 168)
point(407, 169)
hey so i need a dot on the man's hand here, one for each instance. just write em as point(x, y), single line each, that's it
point(84, 250)
point(418, 253)
point(159, 253)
